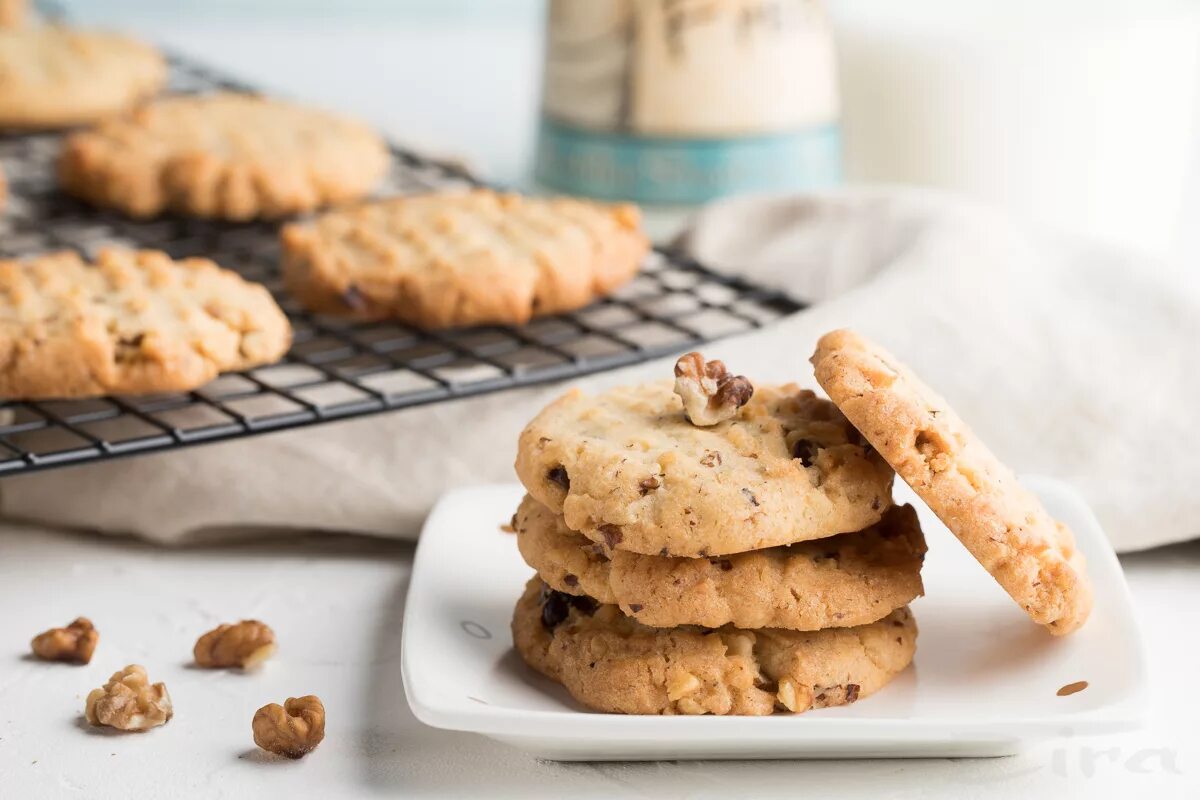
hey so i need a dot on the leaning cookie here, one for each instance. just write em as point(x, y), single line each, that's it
point(627, 469)
point(53, 77)
point(1002, 524)
point(612, 663)
point(843, 581)
point(462, 258)
point(132, 322)
point(225, 156)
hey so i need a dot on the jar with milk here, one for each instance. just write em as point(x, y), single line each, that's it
point(682, 101)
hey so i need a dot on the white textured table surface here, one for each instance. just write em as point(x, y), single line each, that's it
point(336, 606)
point(337, 603)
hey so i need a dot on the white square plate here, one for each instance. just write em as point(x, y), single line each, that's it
point(983, 683)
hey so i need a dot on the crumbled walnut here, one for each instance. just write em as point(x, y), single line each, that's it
point(709, 393)
point(793, 696)
point(247, 645)
point(76, 642)
point(129, 702)
point(680, 684)
point(293, 729)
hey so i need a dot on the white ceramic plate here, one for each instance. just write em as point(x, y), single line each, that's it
point(984, 681)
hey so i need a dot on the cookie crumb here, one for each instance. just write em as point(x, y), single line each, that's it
point(1072, 688)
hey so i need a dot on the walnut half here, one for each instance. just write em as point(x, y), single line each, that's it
point(129, 702)
point(709, 393)
point(76, 642)
point(247, 645)
point(293, 729)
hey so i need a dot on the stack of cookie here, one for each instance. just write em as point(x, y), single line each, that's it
point(712, 547)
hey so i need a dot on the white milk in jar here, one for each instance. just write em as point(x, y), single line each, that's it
point(682, 101)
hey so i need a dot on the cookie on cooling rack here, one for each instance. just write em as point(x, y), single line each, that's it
point(223, 156)
point(132, 322)
point(13, 13)
point(462, 258)
point(55, 77)
point(842, 581)
point(612, 663)
point(1002, 524)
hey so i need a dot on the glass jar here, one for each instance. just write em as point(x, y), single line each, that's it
point(682, 101)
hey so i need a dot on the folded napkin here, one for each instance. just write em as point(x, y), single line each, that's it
point(1068, 358)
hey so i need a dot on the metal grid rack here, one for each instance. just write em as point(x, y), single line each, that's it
point(336, 368)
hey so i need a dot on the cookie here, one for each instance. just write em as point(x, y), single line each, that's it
point(13, 13)
point(225, 156)
point(628, 470)
point(52, 77)
point(131, 323)
point(612, 663)
point(845, 580)
point(1002, 524)
point(463, 258)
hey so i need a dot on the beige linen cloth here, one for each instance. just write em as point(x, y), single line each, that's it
point(1069, 359)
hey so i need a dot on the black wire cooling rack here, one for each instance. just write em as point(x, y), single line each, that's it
point(336, 369)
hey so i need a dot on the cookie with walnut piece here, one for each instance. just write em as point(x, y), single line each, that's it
point(132, 322)
point(612, 663)
point(628, 470)
point(1030, 554)
point(462, 258)
point(841, 581)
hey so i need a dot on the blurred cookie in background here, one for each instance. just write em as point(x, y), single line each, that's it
point(55, 77)
point(223, 156)
point(463, 258)
point(13, 13)
point(129, 322)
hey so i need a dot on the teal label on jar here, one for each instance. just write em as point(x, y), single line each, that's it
point(677, 171)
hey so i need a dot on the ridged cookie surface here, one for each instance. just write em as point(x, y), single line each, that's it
point(628, 470)
point(53, 77)
point(463, 258)
point(1001, 523)
point(130, 323)
point(612, 663)
point(843, 581)
point(224, 155)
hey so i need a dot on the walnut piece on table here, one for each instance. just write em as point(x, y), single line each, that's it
point(74, 643)
point(293, 729)
point(710, 394)
point(129, 702)
point(246, 644)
